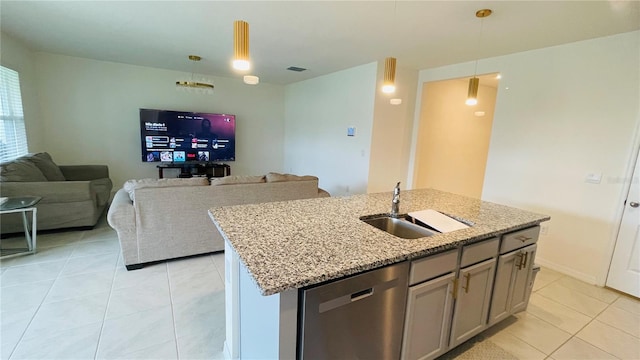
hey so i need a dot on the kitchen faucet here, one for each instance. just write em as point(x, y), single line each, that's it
point(395, 203)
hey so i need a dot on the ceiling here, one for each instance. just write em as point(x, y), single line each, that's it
point(322, 36)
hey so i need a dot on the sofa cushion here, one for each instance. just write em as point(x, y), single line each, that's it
point(45, 163)
point(276, 177)
point(21, 170)
point(238, 179)
point(131, 185)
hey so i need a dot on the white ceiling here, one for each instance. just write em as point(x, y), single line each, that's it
point(322, 36)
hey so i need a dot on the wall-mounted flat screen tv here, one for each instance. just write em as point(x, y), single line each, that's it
point(180, 136)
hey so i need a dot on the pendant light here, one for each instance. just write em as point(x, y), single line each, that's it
point(241, 45)
point(389, 80)
point(389, 83)
point(193, 84)
point(474, 82)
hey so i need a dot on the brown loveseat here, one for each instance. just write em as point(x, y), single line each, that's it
point(72, 196)
point(168, 218)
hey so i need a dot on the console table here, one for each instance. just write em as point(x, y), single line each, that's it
point(199, 169)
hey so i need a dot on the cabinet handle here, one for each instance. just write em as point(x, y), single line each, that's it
point(526, 257)
point(521, 255)
point(523, 238)
point(468, 276)
point(455, 288)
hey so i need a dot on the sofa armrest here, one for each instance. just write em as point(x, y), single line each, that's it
point(84, 172)
point(122, 218)
point(121, 213)
point(51, 191)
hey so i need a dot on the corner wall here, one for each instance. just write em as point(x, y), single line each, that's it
point(318, 112)
point(563, 112)
point(89, 111)
point(391, 132)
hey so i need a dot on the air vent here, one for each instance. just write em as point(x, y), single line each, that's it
point(295, 68)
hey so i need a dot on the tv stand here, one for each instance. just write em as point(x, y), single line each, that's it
point(196, 169)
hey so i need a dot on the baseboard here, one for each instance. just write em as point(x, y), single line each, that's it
point(568, 271)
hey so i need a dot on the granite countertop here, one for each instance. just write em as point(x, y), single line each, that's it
point(293, 244)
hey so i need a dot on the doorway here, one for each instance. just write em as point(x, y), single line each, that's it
point(624, 271)
point(453, 138)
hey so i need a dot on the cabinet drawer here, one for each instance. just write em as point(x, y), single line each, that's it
point(519, 239)
point(432, 266)
point(481, 251)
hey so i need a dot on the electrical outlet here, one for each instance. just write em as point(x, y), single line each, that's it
point(544, 229)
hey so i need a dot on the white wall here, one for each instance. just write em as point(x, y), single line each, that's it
point(90, 114)
point(18, 57)
point(391, 133)
point(318, 112)
point(563, 112)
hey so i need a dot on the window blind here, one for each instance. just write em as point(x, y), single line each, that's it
point(13, 135)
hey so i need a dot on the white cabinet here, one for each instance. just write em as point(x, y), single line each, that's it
point(473, 290)
point(515, 268)
point(451, 305)
point(428, 318)
point(429, 305)
point(472, 302)
point(457, 294)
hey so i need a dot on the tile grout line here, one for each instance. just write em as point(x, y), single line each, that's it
point(592, 318)
point(39, 306)
point(106, 309)
point(173, 315)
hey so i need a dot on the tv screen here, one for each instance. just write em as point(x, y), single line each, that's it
point(180, 136)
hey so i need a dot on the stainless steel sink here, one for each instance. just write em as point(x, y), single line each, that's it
point(400, 226)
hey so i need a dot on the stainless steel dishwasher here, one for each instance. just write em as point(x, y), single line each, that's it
point(359, 317)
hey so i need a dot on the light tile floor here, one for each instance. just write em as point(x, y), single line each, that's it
point(74, 299)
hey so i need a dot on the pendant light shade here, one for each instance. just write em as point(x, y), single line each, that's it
point(472, 95)
point(389, 84)
point(241, 45)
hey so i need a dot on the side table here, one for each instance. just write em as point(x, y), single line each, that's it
point(22, 205)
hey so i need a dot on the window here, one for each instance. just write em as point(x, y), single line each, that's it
point(13, 135)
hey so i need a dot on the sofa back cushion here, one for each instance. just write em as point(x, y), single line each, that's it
point(131, 185)
point(238, 179)
point(277, 177)
point(45, 163)
point(21, 170)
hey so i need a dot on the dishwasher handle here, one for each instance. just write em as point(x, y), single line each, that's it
point(361, 294)
point(350, 298)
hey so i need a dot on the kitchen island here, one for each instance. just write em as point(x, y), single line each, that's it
point(275, 249)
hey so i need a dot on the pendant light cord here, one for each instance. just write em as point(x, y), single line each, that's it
point(475, 69)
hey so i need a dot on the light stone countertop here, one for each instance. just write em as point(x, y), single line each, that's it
point(293, 244)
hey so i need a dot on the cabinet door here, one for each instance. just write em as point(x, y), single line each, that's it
point(472, 302)
point(428, 318)
point(523, 270)
point(505, 275)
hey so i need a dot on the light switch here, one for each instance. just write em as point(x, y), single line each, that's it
point(351, 131)
point(593, 178)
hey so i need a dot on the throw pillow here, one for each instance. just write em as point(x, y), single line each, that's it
point(131, 185)
point(276, 177)
point(238, 179)
point(45, 163)
point(21, 170)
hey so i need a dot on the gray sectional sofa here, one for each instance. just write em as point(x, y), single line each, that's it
point(72, 196)
point(168, 218)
